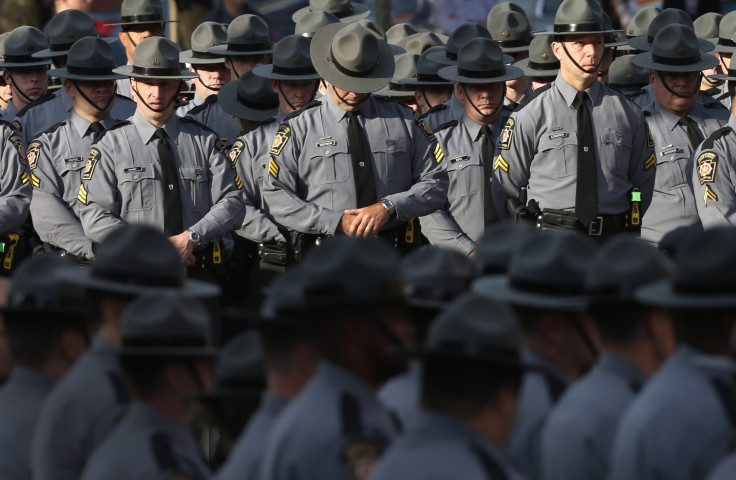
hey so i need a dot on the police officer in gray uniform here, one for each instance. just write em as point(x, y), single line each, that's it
point(58, 156)
point(64, 30)
point(469, 143)
point(725, 47)
point(577, 439)
point(160, 169)
point(165, 353)
point(513, 33)
point(430, 89)
point(677, 124)
point(90, 400)
point(26, 74)
point(373, 166)
point(46, 324)
point(681, 424)
point(541, 66)
point(469, 393)
point(578, 147)
point(15, 181)
point(336, 427)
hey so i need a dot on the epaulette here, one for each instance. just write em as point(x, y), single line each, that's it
point(53, 128)
point(508, 109)
point(534, 95)
point(188, 119)
point(119, 124)
point(451, 123)
point(259, 125)
point(204, 105)
point(708, 143)
point(296, 113)
point(37, 101)
point(441, 106)
point(386, 98)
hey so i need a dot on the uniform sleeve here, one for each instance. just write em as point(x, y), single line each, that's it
point(713, 186)
point(512, 160)
point(15, 185)
point(53, 219)
point(280, 187)
point(442, 230)
point(642, 164)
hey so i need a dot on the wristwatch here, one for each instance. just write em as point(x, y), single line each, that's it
point(388, 206)
point(194, 237)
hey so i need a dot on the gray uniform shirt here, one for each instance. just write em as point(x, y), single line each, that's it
point(21, 399)
point(57, 158)
point(210, 113)
point(538, 149)
point(460, 224)
point(401, 393)
point(123, 87)
point(147, 445)
point(577, 438)
point(310, 182)
point(15, 181)
point(673, 204)
point(678, 427)
point(725, 468)
point(443, 113)
point(194, 102)
point(78, 414)
point(333, 430)
point(124, 185)
point(8, 113)
point(244, 461)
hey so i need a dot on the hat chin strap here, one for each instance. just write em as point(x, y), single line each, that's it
point(344, 100)
point(426, 100)
point(17, 88)
point(237, 75)
point(314, 93)
point(157, 110)
point(500, 104)
point(107, 105)
point(681, 95)
point(593, 71)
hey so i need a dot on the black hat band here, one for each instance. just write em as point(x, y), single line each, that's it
point(61, 47)
point(256, 105)
point(401, 87)
point(522, 42)
point(293, 71)
point(249, 47)
point(578, 28)
point(544, 66)
point(138, 279)
point(481, 74)
point(726, 42)
point(205, 55)
point(343, 13)
point(550, 288)
point(21, 59)
point(429, 77)
point(88, 71)
point(143, 19)
point(450, 55)
point(157, 72)
point(681, 61)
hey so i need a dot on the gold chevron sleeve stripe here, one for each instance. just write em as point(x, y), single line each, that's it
point(501, 163)
point(82, 197)
point(25, 178)
point(438, 153)
point(651, 162)
point(238, 182)
point(35, 181)
point(709, 195)
point(273, 168)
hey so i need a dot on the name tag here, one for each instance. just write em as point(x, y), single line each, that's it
point(133, 169)
point(460, 159)
point(559, 135)
point(74, 159)
point(326, 143)
point(669, 150)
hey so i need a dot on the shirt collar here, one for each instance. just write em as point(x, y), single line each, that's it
point(147, 130)
point(33, 377)
point(595, 91)
point(622, 367)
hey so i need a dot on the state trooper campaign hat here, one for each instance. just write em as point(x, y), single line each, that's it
point(351, 271)
point(620, 266)
point(291, 61)
point(308, 25)
point(427, 70)
point(204, 37)
point(406, 67)
point(351, 57)
point(156, 57)
point(138, 259)
point(462, 34)
point(421, 42)
point(64, 29)
point(20, 45)
point(511, 31)
point(707, 25)
point(250, 97)
point(700, 281)
point(730, 74)
point(90, 58)
point(675, 49)
point(284, 306)
point(547, 271)
point(345, 10)
point(626, 77)
point(610, 40)
point(499, 240)
point(667, 17)
point(435, 276)
point(639, 24)
point(726, 31)
point(542, 62)
point(240, 369)
point(396, 33)
point(481, 61)
point(575, 17)
point(140, 12)
point(166, 325)
point(380, 33)
point(246, 35)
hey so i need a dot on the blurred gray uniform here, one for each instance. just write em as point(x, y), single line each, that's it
point(714, 177)
point(438, 447)
point(122, 87)
point(147, 441)
point(401, 393)
point(186, 107)
point(673, 204)
point(541, 151)
point(541, 387)
point(679, 426)
point(244, 460)
point(21, 399)
point(124, 183)
point(460, 223)
point(336, 416)
point(211, 114)
point(310, 181)
point(15, 181)
point(577, 439)
point(57, 158)
point(443, 113)
point(9, 113)
point(725, 468)
point(81, 410)
point(54, 108)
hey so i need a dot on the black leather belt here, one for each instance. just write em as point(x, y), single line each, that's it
point(602, 225)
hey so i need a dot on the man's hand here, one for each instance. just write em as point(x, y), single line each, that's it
point(345, 222)
point(368, 220)
point(185, 248)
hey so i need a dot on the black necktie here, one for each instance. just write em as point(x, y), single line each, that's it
point(172, 198)
point(586, 191)
point(692, 133)
point(487, 150)
point(96, 128)
point(360, 152)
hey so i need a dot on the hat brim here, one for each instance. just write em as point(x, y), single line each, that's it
point(83, 278)
point(663, 294)
point(127, 71)
point(531, 72)
point(266, 71)
point(522, 48)
point(417, 83)
point(641, 43)
point(360, 12)
point(320, 51)
point(63, 73)
point(200, 352)
point(39, 63)
point(440, 57)
point(226, 52)
point(718, 48)
point(124, 24)
point(228, 100)
point(592, 32)
point(187, 57)
point(389, 92)
point(451, 73)
point(48, 53)
point(498, 287)
point(722, 76)
point(644, 60)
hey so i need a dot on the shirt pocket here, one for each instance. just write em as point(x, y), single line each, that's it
point(557, 154)
point(70, 172)
point(330, 164)
point(466, 175)
point(392, 159)
point(137, 185)
point(615, 151)
point(196, 188)
point(674, 168)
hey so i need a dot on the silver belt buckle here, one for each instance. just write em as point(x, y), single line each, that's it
point(595, 229)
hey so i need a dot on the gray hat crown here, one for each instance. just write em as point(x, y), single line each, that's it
point(355, 48)
point(308, 24)
point(339, 8)
point(400, 31)
point(241, 361)
point(36, 286)
point(208, 35)
point(481, 59)
point(462, 35)
point(142, 11)
point(406, 67)
point(256, 92)
point(421, 42)
point(676, 45)
point(579, 16)
point(67, 27)
point(291, 54)
point(668, 16)
point(434, 273)
point(625, 76)
point(156, 54)
point(428, 68)
point(22, 43)
point(249, 32)
point(90, 56)
point(510, 29)
point(727, 27)
point(285, 303)
point(540, 53)
point(639, 24)
point(493, 250)
point(707, 25)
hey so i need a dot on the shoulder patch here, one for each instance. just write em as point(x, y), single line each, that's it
point(221, 144)
point(282, 137)
point(650, 162)
point(235, 151)
point(706, 165)
point(508, 131)
point(708, 143)
point(709, 195)
point(17, 142)
point(436, 108)
point(359, 457)
point(524, 102)
point(451, 123)
point(34, 153)
point(296, 113)
point(37, 101)
point(89, 168)
point(425, 129)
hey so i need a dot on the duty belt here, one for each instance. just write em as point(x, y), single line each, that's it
point(602, 225)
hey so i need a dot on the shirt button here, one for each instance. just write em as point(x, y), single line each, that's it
point(327, 152)
point(362, 164)
point(585, 149)
point(135, 177)
point(171, 187)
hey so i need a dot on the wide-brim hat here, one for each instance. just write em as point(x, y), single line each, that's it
point(345, 10)
point(538, 69)
point(406, 67)
point(247, 35)
point(726, 31)
point(674, 50)
point(249, 97)
point(291, 61)
point(351, 57)
point(511, 31)
point(156, 58)
point(462, 34)
point(500, 287)
point(65, 29)
point(481, 61)
point(140, 12)
point(626, 77)
point(90, 58)
point(667, 17)
point(204, 37)
point(577, 17)
point(19, 47)
point(49, 53)
point(427, 70)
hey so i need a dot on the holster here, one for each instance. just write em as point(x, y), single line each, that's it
point(211, 259)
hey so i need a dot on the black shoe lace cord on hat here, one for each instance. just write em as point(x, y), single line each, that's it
point(162, 109)
point(16, 88)
point(591, 71)
point(681, 95)
point(692, 132)
point(173, 224)
point(360, 153)
point(500, 105)
point(487, 150)
point(112, 98)
point(586, 189)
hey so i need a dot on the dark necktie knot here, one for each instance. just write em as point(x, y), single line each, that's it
point(96, 128)
point(691, 130)
point(485, 130)
point(160, 134)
